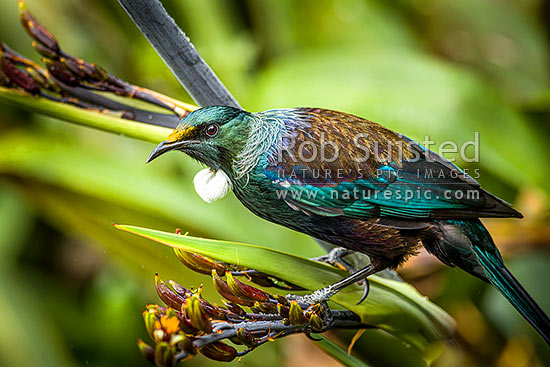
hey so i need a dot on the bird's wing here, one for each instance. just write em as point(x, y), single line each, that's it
point(368, 171)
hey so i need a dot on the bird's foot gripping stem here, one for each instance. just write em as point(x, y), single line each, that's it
point(336, 258)
point(324, 294)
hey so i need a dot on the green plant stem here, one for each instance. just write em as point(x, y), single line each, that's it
point(91, 118)
point(336, 352)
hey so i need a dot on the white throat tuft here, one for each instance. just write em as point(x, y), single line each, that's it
point(210, 185)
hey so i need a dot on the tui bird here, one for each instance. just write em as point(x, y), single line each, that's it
point(354, 184)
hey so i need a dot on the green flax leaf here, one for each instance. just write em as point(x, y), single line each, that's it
point(393, 306)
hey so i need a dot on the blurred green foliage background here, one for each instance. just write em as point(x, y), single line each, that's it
point(73, 287)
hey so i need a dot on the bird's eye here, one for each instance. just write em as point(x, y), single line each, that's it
point(212, 130)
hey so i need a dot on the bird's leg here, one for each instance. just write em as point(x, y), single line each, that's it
point(324, 294)
point(336, 258)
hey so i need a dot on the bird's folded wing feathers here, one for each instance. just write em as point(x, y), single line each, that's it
point(428, 186)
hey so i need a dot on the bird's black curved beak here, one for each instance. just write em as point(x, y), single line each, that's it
point(165, 147)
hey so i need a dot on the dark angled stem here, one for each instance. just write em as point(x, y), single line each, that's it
point(178, 53)
point(272, 330)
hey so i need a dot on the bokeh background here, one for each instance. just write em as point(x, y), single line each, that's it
point(72, 287)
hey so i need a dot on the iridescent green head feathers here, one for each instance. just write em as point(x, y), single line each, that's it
point(213, 135)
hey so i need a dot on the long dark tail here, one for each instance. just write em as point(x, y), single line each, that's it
point(468, 245)
point(499, 276)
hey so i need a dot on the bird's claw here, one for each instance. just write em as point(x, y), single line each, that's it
point(366, 289)
point(336, 258)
